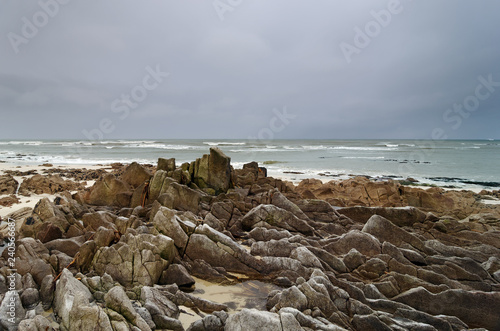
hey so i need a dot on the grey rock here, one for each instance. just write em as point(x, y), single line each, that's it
point(30, 298)
point(212, 171)
point(364, 243)
point(385, 230)
point(38, 323)
point(270, 216)
point(474, 308)
point(400, 216)
point(354, 259)
point(289, 323)
point(136, 259)
point(177, 274)
point(167, 223)
point(252, 319)
point(117, 300)
point(181, 197)
point(166, 164)
point(305, 257)
point(11, 311)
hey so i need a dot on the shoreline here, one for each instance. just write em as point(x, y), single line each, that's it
point(31, 200)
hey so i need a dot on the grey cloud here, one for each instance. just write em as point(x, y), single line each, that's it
point(227, 76)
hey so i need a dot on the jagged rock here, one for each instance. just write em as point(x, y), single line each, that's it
point(305, 257)
point(68, 246)
point(8, 185)
point(92, 221)
point(45, 217)
point(109, 191)
point(163, 311)
point(252, 319)
point(180, 197)
point(221, 251)
point(166, 164)
point(135, 259)
point(354, 259)
point(50, 184)
point(280, 248)
point(373, 268)
point(159, 184)
point(364, 243)
point(215, 322)
point(212, 171)
point(369, 323)
point(73, 303)
point(279, 200)
point(117, 300)
point(135, 174)
point(167, 223)
point(263, 234)
point(385, 230)
point(474, 308)
point(400, 216)
point(32, 257)
point(270, 216)
point(38, 323)
point(9, 200)
point(177, 274)
point(290, 297)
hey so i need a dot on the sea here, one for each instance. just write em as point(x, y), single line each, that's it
point(461, 164)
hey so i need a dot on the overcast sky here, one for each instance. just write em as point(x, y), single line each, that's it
point(234, 64)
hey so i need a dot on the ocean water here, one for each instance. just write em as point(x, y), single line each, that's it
point(462, 164)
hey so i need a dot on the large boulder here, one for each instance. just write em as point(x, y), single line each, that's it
point(109, 191)
point(159, 184)
point(47, 222)
point(212, 171)
point(135, 259)
point(180, 197)
point(135, 174)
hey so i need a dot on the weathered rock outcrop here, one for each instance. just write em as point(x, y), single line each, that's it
point(212, 171)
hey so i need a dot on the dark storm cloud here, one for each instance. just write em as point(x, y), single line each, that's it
point(67, 66)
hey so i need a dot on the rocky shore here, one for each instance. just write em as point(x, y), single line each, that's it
point(130, 251)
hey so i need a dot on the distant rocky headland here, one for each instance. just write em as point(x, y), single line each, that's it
point(124, 247)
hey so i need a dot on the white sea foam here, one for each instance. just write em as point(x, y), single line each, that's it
point(224, 143)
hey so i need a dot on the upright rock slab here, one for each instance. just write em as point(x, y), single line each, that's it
point(212, 171)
